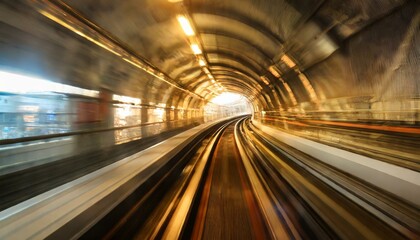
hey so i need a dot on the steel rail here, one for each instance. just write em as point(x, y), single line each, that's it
point(177, 224)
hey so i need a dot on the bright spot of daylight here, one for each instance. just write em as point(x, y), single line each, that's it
point(227, 98)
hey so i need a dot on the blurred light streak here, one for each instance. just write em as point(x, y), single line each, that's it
point(288, 61)
point(265, 80)
point(28, 108)
point(287, 121)
point(186, 26)
point(21, 84)
point(196, 49)
point(160, 77)
point(274, 71)
point(308, 86)
point(123, 112)
point(158, 114)
point(201, 62)
point(60, 16)
point(289, 90)
point(188, 30)
point(126, 99)
point(374, 127)
point(78, 32)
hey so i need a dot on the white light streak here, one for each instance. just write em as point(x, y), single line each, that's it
point(21, 84)
point(186, 26)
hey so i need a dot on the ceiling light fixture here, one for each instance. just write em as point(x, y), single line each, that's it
point(186, 26)
point(273, 69)
point(288, 61)
point(196, 49)
point(265, 80)
point(202, 62)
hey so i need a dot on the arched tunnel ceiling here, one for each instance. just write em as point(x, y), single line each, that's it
point(242, 40)
point(213, 24)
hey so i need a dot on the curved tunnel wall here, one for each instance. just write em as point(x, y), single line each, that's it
point(375, 72)
point(55, 53)
point(330, 58)
point(131, 101)
point(139, 82)
point(123, 77)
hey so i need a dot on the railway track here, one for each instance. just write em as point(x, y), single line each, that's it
point(211, 198)
point(351, 207)
point(242, 184)
point(234, 181)
point(290, 194)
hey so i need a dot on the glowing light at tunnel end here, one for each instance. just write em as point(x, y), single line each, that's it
point(227, 98)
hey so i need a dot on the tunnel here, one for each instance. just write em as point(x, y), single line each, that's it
point(209, 119)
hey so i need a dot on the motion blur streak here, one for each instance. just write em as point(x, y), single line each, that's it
point(268, 119)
